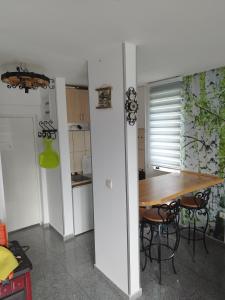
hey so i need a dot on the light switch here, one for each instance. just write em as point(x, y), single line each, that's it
point(108, 183)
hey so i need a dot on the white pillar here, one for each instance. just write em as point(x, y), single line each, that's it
point(129, 61)
point(60, 91)
point(114, 159)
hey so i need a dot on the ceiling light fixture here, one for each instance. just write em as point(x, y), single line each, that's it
point(23, 79)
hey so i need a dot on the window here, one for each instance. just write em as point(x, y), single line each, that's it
point(164, 125)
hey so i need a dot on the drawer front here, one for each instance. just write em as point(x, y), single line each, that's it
point(17, 284)
point(5, 290)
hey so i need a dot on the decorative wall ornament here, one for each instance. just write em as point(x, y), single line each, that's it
point(23, 79)
point(203, 137)
point(48, 131)
point(104, 97)
point(131, 106)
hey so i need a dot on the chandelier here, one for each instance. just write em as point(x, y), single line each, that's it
point(23, 79)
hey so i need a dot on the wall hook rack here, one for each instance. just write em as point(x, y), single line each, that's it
point(48, 131)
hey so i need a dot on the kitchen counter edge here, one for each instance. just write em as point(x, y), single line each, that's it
point(80, 183)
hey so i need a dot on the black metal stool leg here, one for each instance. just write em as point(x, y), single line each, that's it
point(159, 252)
point(176, 246)
point(145, 263)
point(150, 244)
point(142, 235)
point(174, 270)
point(194, 232)
point(177, 237)
point(204, 234)
point(142, 246)
point(167, 235)
point(189, 226)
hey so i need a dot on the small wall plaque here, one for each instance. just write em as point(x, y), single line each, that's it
point(104, 97)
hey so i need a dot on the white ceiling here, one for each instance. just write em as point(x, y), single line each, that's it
point(174, 37)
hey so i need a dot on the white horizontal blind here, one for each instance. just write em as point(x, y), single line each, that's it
point(164, 125)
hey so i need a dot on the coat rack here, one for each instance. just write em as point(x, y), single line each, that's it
point(48, 131)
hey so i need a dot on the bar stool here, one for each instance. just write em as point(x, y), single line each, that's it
point(160, 219)
point(196, 205)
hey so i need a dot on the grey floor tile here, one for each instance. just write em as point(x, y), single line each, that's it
point(64, 270)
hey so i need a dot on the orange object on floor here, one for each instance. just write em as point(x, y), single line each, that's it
point(3, 235)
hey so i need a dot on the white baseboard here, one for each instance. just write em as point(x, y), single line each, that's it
point(65, 237)
point(46, 225)
point(136, 295)
point(68, 237)
point(129, 297)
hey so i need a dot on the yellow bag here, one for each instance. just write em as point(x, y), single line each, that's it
point(8, 263)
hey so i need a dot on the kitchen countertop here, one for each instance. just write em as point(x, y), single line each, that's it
point(79, 183)
point(78, 179)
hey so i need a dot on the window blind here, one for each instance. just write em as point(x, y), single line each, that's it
point(164, 125)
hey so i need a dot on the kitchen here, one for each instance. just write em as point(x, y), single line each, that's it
point(78, 118)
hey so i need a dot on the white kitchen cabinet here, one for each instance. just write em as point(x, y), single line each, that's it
point(83, 212)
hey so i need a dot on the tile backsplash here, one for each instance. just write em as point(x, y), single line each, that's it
point(79, 143)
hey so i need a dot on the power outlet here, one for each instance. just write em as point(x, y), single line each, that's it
point(222, 215)
point(108, 183)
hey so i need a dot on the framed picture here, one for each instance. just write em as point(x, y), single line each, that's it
point(104, 97)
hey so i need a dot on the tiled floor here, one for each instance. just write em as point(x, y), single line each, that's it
point(64, 271)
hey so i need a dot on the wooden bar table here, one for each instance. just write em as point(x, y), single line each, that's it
point(164, 188)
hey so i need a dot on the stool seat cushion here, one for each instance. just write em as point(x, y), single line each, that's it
point(141, 212)
point(190, 202)
point(153, 215)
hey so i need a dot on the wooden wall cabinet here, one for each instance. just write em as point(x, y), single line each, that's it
point(77, 105)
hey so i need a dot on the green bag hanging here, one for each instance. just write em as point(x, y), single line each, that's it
point(49, 158)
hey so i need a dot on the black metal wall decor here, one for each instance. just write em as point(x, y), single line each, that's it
point(23, 79)
point(48, 131)
point(131, 106)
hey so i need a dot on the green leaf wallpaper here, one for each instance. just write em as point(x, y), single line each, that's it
point(203, 136)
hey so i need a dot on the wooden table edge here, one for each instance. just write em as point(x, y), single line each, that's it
point(216, 180)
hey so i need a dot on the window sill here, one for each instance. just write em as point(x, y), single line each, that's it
point(166, 169)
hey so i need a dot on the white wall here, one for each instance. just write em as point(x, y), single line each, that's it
point(53, 177)
point(60, 86)
point(2, 196)
point(14, 102)
point(142, 93)
point(108, 162)
point(55, 183)
point(108, 140)
point(59, 180)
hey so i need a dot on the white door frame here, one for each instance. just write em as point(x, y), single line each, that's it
point(34, 118)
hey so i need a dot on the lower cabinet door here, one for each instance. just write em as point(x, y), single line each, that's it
point(83, 209)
